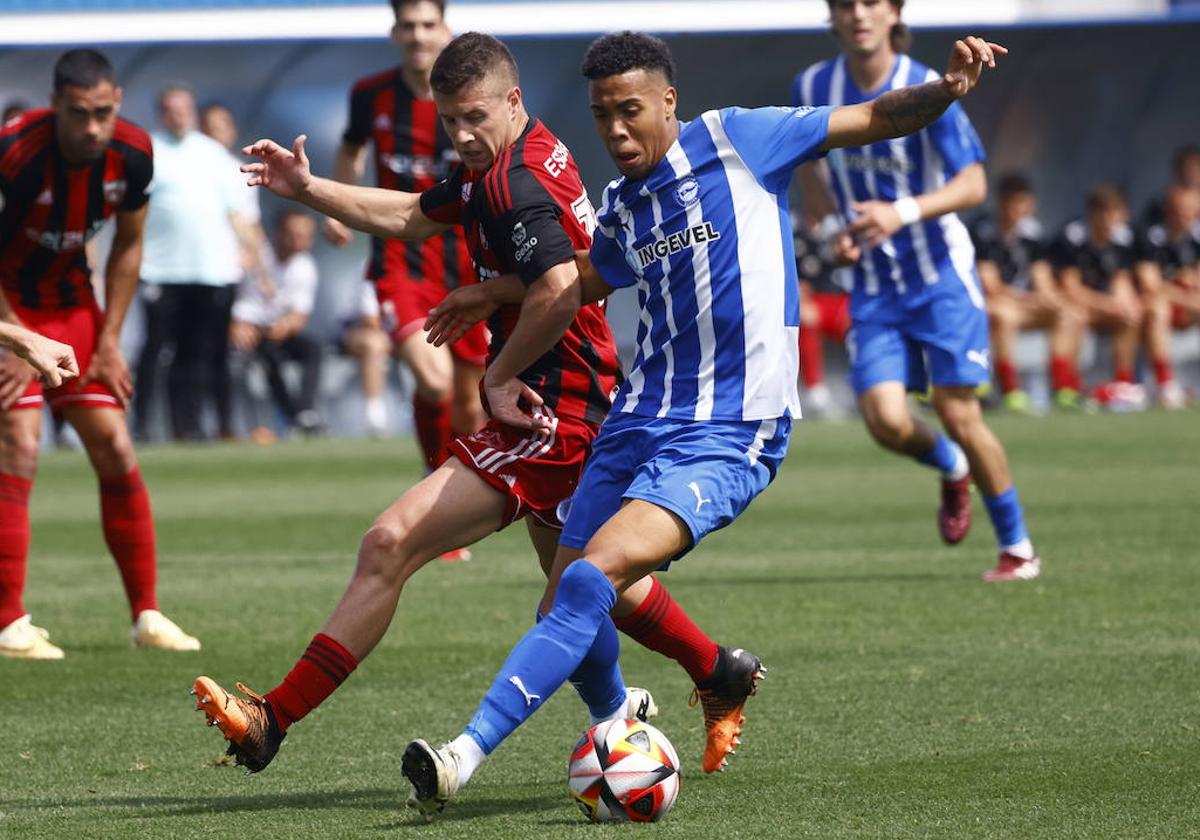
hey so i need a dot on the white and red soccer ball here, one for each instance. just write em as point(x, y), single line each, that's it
point(624, 771)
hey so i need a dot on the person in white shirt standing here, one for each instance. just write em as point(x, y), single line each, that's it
point(269, 319)
point(195, 236)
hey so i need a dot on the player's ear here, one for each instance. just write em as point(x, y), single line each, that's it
point(514, 100)
point(118, 96)
point(670, 98)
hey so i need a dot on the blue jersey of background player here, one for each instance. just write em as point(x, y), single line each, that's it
point(700, 225)
point(917, 310)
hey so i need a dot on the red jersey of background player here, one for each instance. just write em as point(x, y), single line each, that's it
point(412, 153)
point(526, 214)
point(48, 210)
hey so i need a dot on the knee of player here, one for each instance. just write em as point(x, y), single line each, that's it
point(384, 553)
point(578, 584)
point(112, 451)
point(960, 416)
point(890, 427)
point(19, 452)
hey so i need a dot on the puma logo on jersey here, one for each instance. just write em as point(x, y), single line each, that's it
point(700, 500)
point(383, 122)
point(44, 197)
point(979, 357)
point(529, 698)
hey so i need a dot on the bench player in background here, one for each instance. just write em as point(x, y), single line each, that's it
point(395, 113)
point(917, 309)
point(1094, 259)
point(1168, 261)
point(824, 314)
point(1012, 257)
point(63, 172)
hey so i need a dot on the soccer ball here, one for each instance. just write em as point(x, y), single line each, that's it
point(624, 771)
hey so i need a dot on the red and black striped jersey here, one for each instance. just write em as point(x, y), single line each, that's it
point(412, 153)
point(49, 210)
point(526, 214)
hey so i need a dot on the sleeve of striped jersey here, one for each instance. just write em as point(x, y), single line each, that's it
point(608, 259)
point(443, 202)
point(358, 129)
point(139, 172)
point(774, 141)
point(956, 141)
point(531, 238)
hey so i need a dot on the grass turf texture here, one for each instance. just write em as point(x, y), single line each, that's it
point(905, 697)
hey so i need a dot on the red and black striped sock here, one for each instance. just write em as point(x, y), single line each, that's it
point(14, 545)
point(324, 666)
point(661, 625)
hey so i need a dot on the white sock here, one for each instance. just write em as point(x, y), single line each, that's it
point(1023, 549)
point(470, 756)
point(961, 465)
point(376, 413)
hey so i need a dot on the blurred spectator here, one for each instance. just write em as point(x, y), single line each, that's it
point(195, 235)
point(1095, 259)
point(1168, 269)
point(824, 314)
point(1014, 266)
point(13, 109)
point(269, 319)
point(363, 338)
point(217, 122)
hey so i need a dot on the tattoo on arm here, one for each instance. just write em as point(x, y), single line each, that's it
point(909, 109)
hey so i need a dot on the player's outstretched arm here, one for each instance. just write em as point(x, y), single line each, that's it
point(389, 214)
point(909, 109)
point(54, 361)
point(466, 306)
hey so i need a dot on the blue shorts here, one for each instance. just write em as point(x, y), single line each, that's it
point(941, 341)
point(705, 473)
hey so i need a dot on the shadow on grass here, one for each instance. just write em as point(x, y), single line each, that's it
point(376, 799)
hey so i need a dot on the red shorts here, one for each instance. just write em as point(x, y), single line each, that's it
point(1181, 319)
point(78, 326)
point(404, 305)
point(534, 473)
point(833, 310)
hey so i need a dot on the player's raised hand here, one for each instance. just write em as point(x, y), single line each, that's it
point(460, 310)
point(284, 173)
point(504, 405)
point(968, 57)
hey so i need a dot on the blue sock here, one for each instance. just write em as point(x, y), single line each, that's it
point(944, 455)
point(598, 678)
point(546, 655)
point(1008, 519)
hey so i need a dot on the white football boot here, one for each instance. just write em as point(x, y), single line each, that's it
point(154, 630)
point(23, 640)
point(433, 774)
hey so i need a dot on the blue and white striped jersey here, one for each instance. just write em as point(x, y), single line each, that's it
point(707, 239)
point(919, 255)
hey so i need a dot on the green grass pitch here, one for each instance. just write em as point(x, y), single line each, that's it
point(905, 697)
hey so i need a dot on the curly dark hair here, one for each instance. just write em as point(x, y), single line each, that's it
point(468, 59)
point(620, 52)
